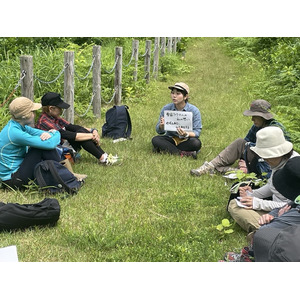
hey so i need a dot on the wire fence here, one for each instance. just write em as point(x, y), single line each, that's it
point(27, 77)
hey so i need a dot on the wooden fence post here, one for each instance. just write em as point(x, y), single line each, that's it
point(169, 45)
point(118, 75)
point(27, 89)
point(174, 45)
point(135, 49)
point(97, 81)
point(147, 60)
point(163, 47)
point(69, 85)
point(156, 58)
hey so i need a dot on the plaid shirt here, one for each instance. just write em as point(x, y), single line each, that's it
point(46, 122)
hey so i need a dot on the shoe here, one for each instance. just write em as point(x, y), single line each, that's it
point(206, 168)
point(193, 154)
point(232, 257)
point(112, 160)
point(80, 177)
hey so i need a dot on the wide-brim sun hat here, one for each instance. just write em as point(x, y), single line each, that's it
point(270, 143)
point(259, 108)
point(287, 179)
point(21, 107)
point(180, 86)
point(54, 99)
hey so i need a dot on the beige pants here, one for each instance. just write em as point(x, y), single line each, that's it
point(246, 218)
point(229, 155)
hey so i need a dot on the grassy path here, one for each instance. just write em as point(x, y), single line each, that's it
point(150, 208)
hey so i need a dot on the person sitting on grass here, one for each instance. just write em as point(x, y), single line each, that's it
point(278, 237)
point(180, 142)
point(276, 151)
point(78, 136)
point(22, 147)
point(239, 149)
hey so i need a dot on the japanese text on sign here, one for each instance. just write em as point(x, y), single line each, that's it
point(175, 119)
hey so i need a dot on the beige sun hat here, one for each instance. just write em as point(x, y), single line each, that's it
point(180, 86)
point(270, 143)
point(21, 107)
point(259, 108)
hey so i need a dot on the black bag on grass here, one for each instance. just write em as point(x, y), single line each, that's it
point(118, 123)
point(20, 216)
point(55, 178)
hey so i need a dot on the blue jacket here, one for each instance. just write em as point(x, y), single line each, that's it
point(197, 122)
point(15, 140)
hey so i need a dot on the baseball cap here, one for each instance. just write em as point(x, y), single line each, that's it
point(54, 99)
point(21, 107)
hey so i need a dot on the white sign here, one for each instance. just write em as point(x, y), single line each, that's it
point(175, 119)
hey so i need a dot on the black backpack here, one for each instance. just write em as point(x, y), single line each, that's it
point(20, 216)
point(54, 177)
point(118, 123)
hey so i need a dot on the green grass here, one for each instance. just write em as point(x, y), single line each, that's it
point(150, 208)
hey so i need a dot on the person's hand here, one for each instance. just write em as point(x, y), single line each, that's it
point(247, 201)
point(162, 123)
point(284, 210)
point(243, 190)
point(96, 137)
point(45, 136)
point(265, 219)
point(181, 132)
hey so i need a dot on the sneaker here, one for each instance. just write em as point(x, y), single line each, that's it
point(80, 177)
point(112, 160)
point(232, 257)
point(206, 168)
point(193, 154)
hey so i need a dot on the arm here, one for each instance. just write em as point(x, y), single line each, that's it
point(197, 123)
point(31, 137)
point(160, 124)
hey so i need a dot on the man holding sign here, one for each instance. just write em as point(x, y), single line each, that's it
point(179, 125)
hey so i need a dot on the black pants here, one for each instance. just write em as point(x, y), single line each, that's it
point(25, 172)
point(88, 145)
point(167, 144)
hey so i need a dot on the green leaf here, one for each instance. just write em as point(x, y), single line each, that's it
point(226, 223)
point(219, 227)
point(228, 231)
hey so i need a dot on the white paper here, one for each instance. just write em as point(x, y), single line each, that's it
point(9, 254)
point(175, 119)
point(239, 203)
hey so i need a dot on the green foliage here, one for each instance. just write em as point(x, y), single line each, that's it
point(224, 227)
point(278, 58)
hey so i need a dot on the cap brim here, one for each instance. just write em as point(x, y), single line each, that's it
point(36, 106)
point(266, 116)
point(63, 105)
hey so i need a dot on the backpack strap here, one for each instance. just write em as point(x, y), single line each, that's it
point(129, 128)
point(57, 177)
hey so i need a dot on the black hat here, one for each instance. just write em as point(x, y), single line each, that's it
point(287, 180)
point(54, 99)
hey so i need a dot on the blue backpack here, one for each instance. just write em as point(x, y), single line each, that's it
point(118, 123)
point(54, 177)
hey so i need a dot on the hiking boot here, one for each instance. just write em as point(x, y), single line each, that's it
point(206, 168)
point(193, 154)
point(112, 160)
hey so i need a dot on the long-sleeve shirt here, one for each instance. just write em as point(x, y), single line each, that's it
point(251, 135)
point(15, 140)
point(268, 190)
point(67, 130)
point(197, 122)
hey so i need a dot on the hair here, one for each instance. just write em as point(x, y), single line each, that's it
point(45, 109)
point(288, 155)
point(183, 92)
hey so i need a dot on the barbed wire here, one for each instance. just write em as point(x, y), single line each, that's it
point(89, 71)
